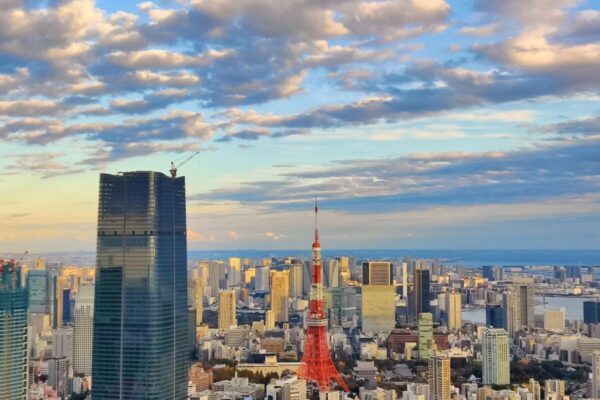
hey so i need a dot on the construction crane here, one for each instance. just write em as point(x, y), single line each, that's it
point(173, 169)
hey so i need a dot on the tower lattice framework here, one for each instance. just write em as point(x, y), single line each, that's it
point(317, 365)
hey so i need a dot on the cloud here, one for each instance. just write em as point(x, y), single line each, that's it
point(482, 30)
point(430, 179)
point(164, 59)
point(44, 165)
point(233, 234)
point(272, 236)
point(194, 236)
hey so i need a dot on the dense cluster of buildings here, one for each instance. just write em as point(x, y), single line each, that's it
point(146, 323)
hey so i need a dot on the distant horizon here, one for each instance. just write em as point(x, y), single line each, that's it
point(333, 249)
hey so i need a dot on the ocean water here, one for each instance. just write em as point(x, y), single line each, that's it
point(573, 308)
point(467, 258)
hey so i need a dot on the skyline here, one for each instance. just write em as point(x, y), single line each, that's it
point(436, 124)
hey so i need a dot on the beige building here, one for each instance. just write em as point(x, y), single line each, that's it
point(195, 294)
point(595, 384)
point(555, 389)
point(439, 377)
point(454, 311)
point(83, 329)
point(554, 320)
point(200, 378)
point(378, 298)
point(227, 309)
point(270, 365)
point(280, 286)
point(269, 320)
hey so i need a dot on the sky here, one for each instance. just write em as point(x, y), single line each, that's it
point(418, 123)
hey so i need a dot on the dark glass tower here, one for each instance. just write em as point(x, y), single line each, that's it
point(140, 345)
point(494, 316)
point(422, 295)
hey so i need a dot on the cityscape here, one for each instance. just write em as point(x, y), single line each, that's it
point(299, 200)
point(149, 322)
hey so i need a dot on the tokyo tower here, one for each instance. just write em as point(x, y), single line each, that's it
point(317, 365)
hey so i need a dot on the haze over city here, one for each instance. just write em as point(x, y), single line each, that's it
point(420, 124)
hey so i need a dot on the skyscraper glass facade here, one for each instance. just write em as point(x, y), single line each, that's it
point(140, 345)
point(13, 333)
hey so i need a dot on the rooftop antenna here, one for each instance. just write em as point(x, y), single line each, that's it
point(173, 169)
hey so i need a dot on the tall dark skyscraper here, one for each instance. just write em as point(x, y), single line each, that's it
point(591, 311)
point(494, 316)
point(13, 333)
point(140, 345)
point(422, 294)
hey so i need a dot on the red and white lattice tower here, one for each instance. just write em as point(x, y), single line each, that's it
point(317, 365)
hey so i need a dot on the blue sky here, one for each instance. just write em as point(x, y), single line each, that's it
point(424, 124)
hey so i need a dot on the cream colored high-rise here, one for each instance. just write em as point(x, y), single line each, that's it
point(495, 357)
point(269, 320)
point(454, 310)
point(345, 269)
point(554, 320)
point(83, 328)
point(595, 384)
point(195, 294)
point(378, 297)
point(296, 280)
point(439, 377)
point(227, 308)
point(234, 272)
point(280, 294)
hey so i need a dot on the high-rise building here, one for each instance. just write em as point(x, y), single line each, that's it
point(556, 388)
point(495, 357)
point(421, 291)
point(425, 344)
point(331, 274)
point(141, 343)
point(280, 298)
point(296, 280)
point(595, 384)
point(591, 311)
point(554, 320)
point(345, 269)
point(269, 320)
point(234, 272)
point(487, 271)
point(510, 316)
point(524, 301)
point(404, 280)
point(39, 291)
point(195, 295)
point(439, 377)
point(13, 333)
point(378, 297)
point(494, 316)
point(83, 329)
point(262, 279)
point(227, 310)
point(535, 390)
point(454, 311)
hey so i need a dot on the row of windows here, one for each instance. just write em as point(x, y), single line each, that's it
point(146, 233)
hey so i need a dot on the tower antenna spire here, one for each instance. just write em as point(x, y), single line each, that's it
point(316, 219)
